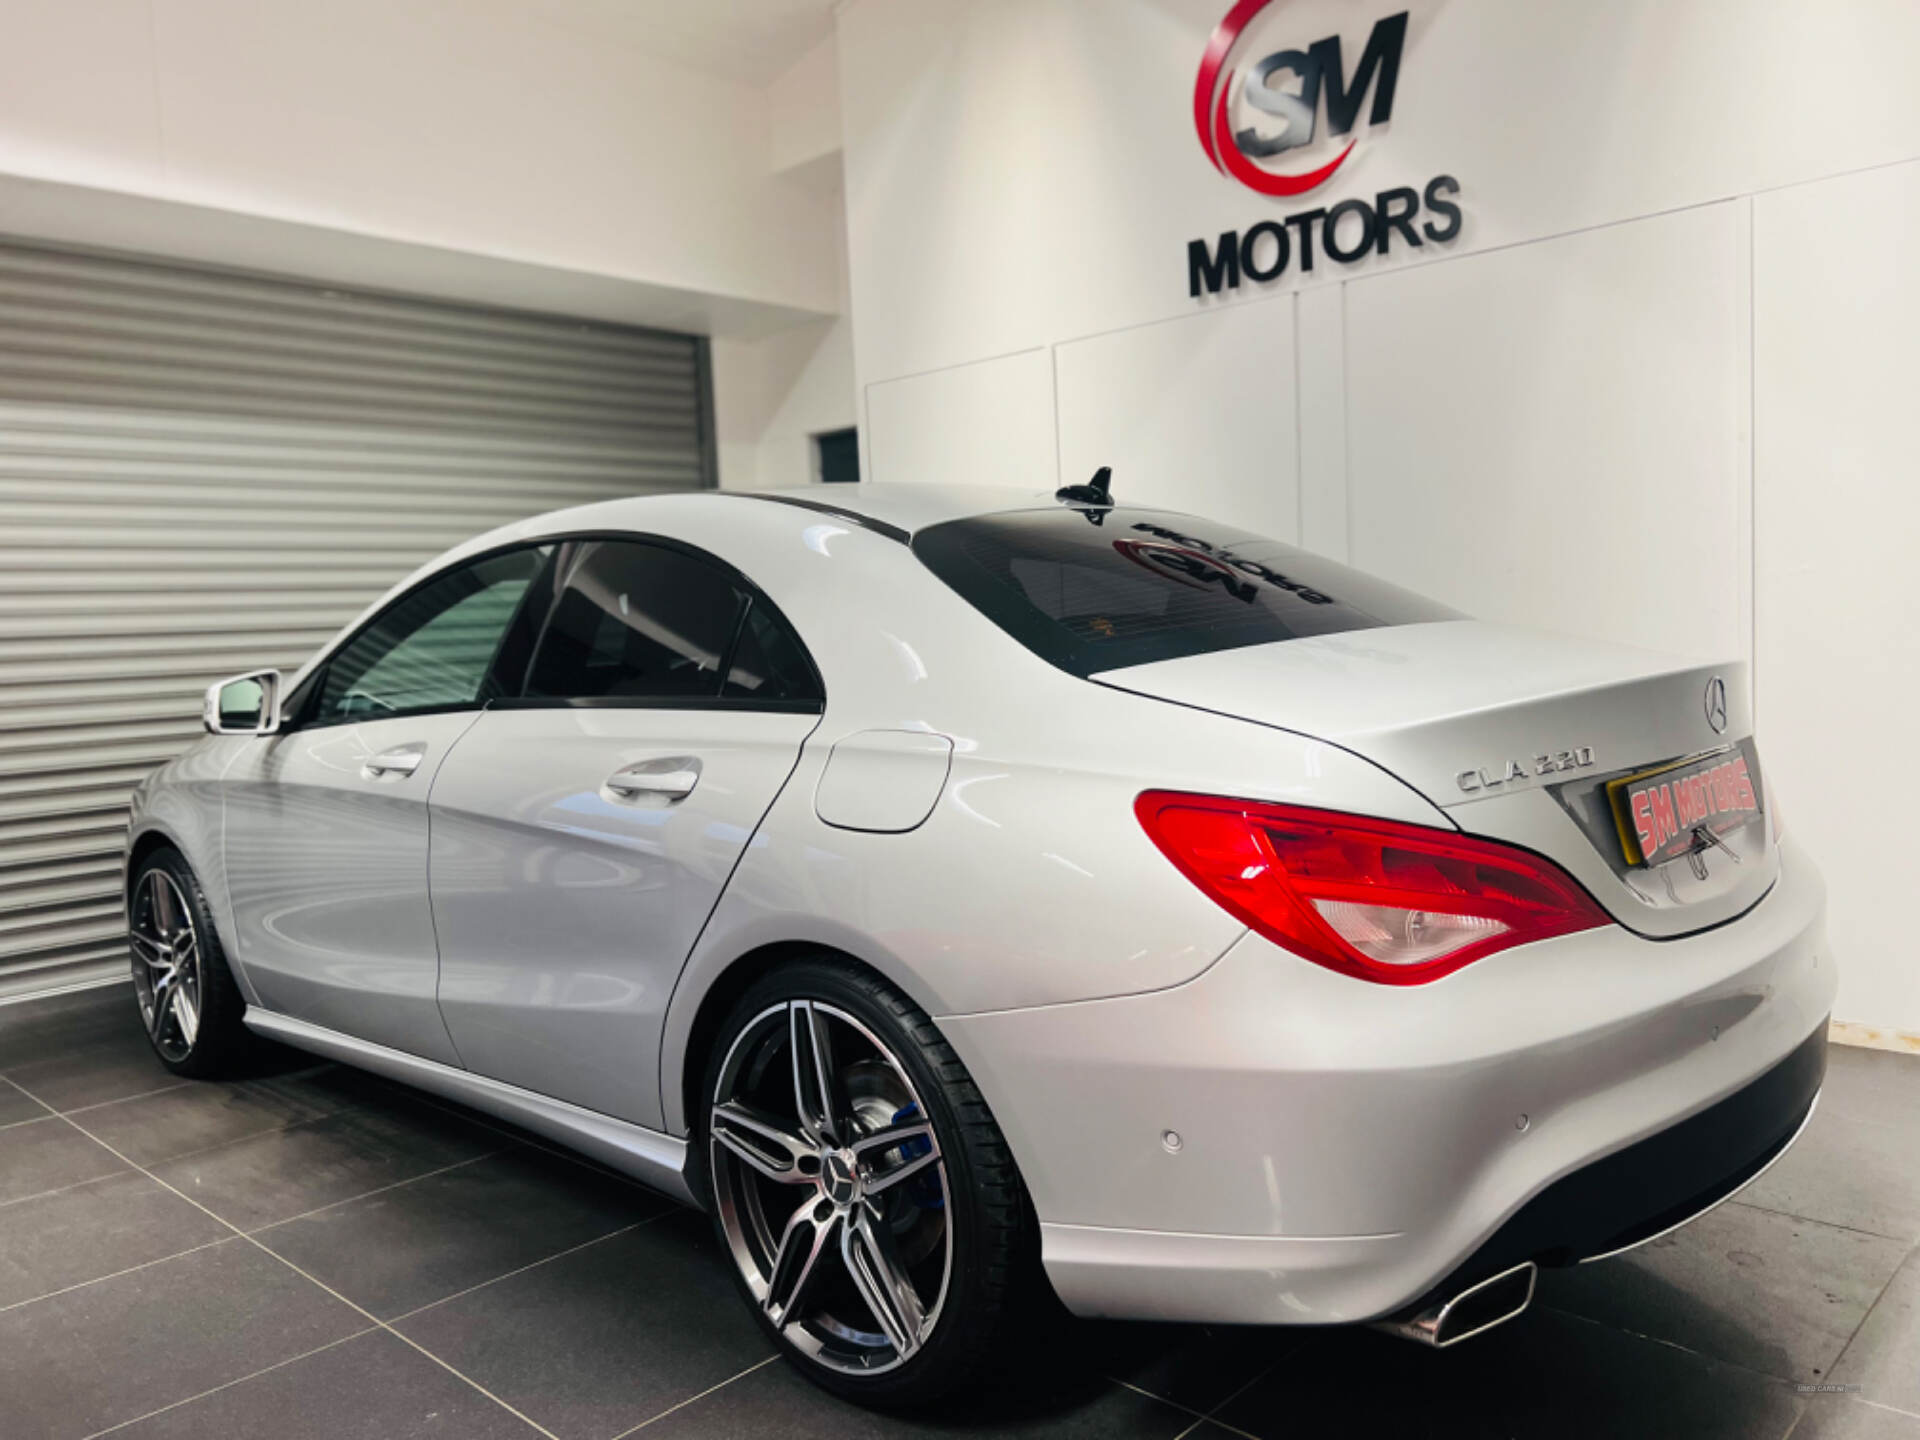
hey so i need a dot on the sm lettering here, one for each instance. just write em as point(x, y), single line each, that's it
point(1288, 85)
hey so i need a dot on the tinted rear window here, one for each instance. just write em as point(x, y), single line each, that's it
point(1092, 590)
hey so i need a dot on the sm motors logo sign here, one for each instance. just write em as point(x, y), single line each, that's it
point(1283, 121)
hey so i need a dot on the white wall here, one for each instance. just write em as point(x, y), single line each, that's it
point(1556, 434)
point(1657, 390)
point(476, 125)
point(772, 396)
point(1197, 413)
point(1022, 172)
point(1837, 532)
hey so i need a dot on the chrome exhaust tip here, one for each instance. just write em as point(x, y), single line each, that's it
point(1474, 1311)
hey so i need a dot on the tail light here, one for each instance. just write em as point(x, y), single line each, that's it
point(1393, 903)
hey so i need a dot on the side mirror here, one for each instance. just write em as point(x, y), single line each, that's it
point(244, 705)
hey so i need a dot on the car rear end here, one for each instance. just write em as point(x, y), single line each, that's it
point(1582, 1006)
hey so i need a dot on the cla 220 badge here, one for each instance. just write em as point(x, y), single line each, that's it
point(1493, 777)
point(1281, 96)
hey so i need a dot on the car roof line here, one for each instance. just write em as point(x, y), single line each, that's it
point(879, 527)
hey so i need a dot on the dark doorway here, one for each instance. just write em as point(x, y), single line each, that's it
point(839, 455)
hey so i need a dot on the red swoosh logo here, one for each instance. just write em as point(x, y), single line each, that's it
point(1210, 118)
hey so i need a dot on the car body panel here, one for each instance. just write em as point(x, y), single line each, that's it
point(530, 843)
point(1343, 1146)
point(326, 865)
point(1456, 708)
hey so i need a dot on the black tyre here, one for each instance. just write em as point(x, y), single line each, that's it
point(869, 1203)
point(188, 1000)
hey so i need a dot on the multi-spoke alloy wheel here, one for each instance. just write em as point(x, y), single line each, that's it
point(831, 1187)
point(188, 1000)
point(166, 964)
point(873, 1212)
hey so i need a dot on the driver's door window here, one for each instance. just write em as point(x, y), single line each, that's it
point(432, 649)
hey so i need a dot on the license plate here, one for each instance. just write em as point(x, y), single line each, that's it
point(1660, 813)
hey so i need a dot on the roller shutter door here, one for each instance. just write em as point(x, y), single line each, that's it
point(203, 472)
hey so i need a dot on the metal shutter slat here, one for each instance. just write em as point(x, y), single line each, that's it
point(187, 462)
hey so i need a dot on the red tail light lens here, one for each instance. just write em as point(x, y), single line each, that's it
point(1393, 903)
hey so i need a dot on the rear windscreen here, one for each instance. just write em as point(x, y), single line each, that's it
point(1091, 590)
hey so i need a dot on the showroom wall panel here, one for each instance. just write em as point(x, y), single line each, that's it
point(1021, 172)
point(1194, 414)
point(989, 423)
point(1556, 434)
point(1837, 534)
point(202, 473)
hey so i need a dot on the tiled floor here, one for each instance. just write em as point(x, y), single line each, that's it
point(314, 1253)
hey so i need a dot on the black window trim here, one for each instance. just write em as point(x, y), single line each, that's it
point(559, 563)
point(825, 507)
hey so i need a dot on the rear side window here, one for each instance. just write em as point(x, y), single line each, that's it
point(768, 662)
point(644, 623)
point(1092, 590)
point(637, 621)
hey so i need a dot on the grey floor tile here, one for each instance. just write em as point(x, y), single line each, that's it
point(1771, 1292)
point(1193, 1366)
point(195, 1116)
point(774, 1401)
point(601, 1339)
point(83, 1233)
point(1544, 1375)
point(61, 1024)
point(49, 1154)
point(117, 1066)
point(425, 1240)
point(288, 1172)
point(110, 1352)
point(1859, 1162)
point(374, 1387)
point(1839, 1417)
point(16, 1105)
point(1883, 1358)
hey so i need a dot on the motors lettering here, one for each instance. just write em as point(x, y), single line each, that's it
point(1348, 232)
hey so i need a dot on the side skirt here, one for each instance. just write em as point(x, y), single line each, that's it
point(654, 1159)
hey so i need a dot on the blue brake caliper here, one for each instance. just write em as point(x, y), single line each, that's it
point(923, 1189)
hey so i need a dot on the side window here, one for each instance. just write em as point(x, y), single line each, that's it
point(768, 661)
point(431, 649)
point(637, 621)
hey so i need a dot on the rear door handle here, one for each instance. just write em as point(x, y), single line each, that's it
point(397, 763)
point(670, 780)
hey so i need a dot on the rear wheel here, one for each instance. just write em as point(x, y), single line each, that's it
point(188, 1000)
point(868, 1200)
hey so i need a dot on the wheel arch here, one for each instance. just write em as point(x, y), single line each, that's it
point(716, 1001)
point(193, 835)
point(139, 847)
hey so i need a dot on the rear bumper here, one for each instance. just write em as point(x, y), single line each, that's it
point(1345, 1150)
point(1659, 1184)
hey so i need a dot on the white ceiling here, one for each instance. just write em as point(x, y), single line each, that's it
point(749, 40)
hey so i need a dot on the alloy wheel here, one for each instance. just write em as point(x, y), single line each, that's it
point(831, 1188)
point(166, 964)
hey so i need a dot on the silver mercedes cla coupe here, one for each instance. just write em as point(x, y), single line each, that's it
point(959, 893)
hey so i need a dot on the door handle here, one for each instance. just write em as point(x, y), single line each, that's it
point(398, 762)
point(670, 780)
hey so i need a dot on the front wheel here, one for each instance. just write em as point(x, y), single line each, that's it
point(188, 1000)
point(869, 1203)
